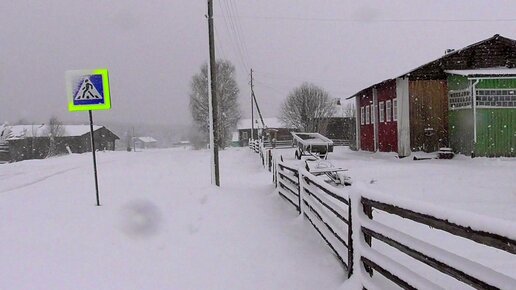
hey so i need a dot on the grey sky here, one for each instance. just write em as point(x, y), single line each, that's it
point(152, 48)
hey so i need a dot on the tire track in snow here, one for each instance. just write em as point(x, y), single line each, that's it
point(39, 179)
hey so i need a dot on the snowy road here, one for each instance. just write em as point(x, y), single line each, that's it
point(161, 226)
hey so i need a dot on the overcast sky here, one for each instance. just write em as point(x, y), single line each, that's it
point(152, 48)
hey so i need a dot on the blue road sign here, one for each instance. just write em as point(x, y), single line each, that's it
point(88, 90)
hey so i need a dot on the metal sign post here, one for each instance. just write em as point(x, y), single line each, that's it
point(88, 90)
point(94, 157)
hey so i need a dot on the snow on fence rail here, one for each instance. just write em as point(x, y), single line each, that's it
point(324, 206)
point(328, 211)
point(442, 260)
point(254, 145)
point(348, 226)
point(287, 182)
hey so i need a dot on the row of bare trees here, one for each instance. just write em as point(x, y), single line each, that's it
point(306, 108)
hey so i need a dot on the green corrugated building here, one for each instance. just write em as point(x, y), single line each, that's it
point(482, 111)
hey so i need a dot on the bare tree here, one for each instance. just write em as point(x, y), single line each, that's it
point(349, 110)
point(55, 129)
point(307, 108)
point(227, 94)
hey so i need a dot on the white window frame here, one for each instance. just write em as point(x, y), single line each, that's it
point(362, 115)
point(382, 112)
point(395, 109)
point(496, 98)
point(367, 115)
point(373, 114)
point(388, 111)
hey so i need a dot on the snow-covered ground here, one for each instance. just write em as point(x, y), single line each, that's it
point(162, 226)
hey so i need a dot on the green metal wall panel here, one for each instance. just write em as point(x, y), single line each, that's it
point(496, 132)
point(456, 82)
point(461, 130)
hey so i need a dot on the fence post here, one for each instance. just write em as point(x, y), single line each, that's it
point(368, 211)
point(350, 240)
point(300, 190)
point(270, 160)
point(274, 170)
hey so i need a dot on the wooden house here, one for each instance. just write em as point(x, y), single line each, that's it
point(145, 142)
point(33, 141)
point(244, 130)
point(340, 127)
point(411, 112)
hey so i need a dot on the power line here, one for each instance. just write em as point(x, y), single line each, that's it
point(217, 44)
point(315, 19)
point(275, 76)
point(239, 30)
point(233, 34)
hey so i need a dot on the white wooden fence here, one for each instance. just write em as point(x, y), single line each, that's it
point(345, 221)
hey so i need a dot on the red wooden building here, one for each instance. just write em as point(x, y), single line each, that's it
point(410, 112)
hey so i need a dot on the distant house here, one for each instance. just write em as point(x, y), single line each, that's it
point(340, 127)
point(464, 100)
point(182, 143)
point(33, 141)
point(145, 142)
point(274, 124)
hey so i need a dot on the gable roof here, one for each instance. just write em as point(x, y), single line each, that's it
point(269, 123)
point(486, 72)
point(27, 131)
point(147, 139)
point(494, 52)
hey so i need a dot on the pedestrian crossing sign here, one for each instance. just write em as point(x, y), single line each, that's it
point(88, 90)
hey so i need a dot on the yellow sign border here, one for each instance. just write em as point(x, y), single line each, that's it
point(73, 74)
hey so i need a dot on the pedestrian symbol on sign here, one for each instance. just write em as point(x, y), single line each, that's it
point(90, 91)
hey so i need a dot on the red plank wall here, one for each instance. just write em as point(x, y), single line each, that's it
point(387, 130)
point(366, 130)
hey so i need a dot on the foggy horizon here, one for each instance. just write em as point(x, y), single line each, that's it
point(152, 50)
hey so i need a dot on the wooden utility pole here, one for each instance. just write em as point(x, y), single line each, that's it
point(214, 132)
point(252, 107)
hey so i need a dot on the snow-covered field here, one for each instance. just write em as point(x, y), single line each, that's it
point(163, 226)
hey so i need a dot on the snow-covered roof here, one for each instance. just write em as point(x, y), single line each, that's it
point(146, 139)
point(27, 131)
point(495, 71)
point(269, 123)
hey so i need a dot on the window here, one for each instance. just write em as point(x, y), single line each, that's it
point(373, 113)
point(367, 115)
point(362, 116)
point(459, 99)
point(388, 111)
point(496, 98)
point(244, 135)
point(382, 112)
point(395, 110)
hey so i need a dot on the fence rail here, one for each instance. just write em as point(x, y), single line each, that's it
point(329, 213)
point(340, 142)
point(435, 256)
point(324, 206)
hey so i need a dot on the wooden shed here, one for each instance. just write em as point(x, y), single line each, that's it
point(33, 141)
point(410, 112)
point(244, 130)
